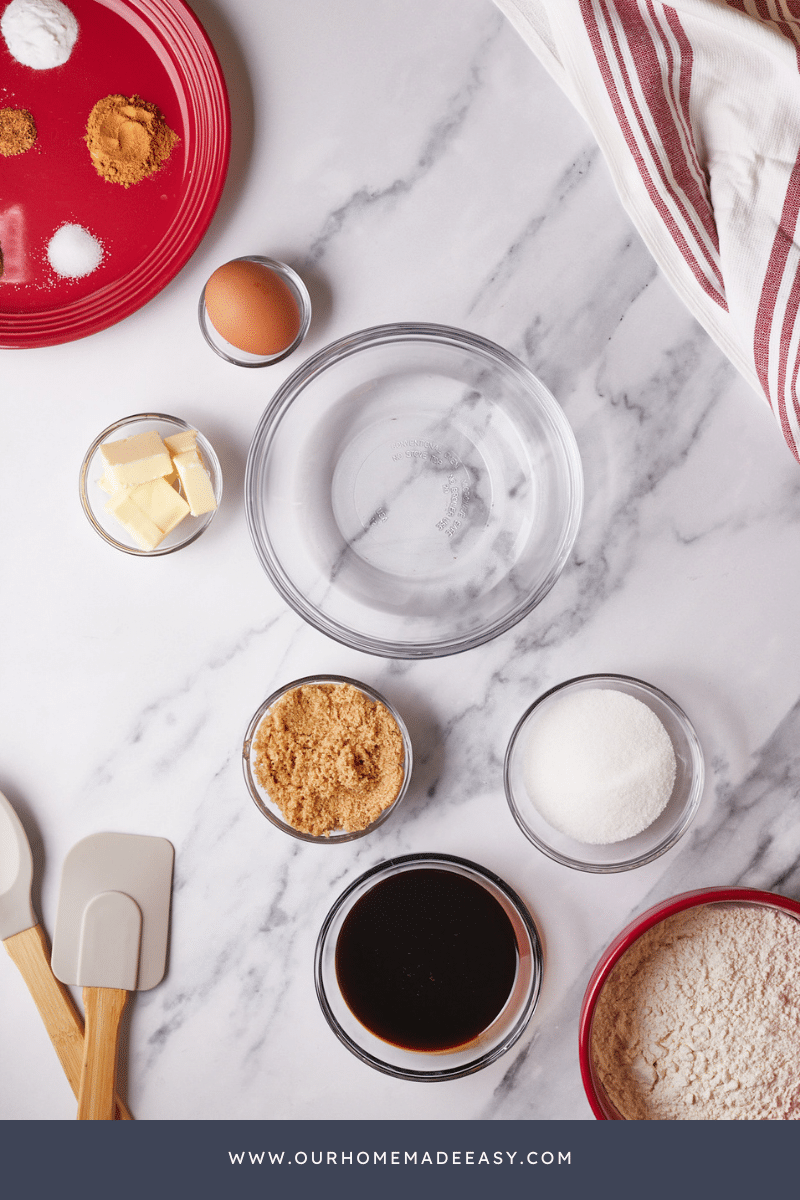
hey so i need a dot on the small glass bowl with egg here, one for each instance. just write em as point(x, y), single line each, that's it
point(576, 790)
point(166, 523)
point(254, 311)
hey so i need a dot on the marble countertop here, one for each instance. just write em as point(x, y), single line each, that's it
point(413, 162)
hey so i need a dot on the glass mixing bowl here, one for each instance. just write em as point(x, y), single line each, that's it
point(413, 490)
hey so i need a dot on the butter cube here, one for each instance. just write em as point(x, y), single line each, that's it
point(177, 443)
point(109, 486)
point(135, 459)
point(196, 482)
point(165, 507)
point(142, 529)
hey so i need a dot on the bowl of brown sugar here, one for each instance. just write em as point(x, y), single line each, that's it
point(326, 759)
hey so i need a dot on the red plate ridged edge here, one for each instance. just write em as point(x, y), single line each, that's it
point(206, 168)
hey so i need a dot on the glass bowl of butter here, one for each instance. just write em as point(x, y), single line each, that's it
point(150, 484)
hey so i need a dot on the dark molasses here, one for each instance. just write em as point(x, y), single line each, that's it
point(426, 959)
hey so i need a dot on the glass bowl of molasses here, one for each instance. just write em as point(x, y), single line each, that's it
point(428, 967)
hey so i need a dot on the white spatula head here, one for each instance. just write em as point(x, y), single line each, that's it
point(16, 874)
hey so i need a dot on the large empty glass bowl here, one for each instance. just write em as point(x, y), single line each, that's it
point(413, 490)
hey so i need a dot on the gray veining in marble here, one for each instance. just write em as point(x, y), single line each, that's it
point(420, 165)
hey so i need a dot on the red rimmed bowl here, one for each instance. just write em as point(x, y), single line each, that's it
point(599, 1101)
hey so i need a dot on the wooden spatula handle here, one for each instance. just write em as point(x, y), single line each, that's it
point(103, 1008)
point(30, 951)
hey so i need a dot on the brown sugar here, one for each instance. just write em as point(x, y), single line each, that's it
point(329, 757)
point(128, 139)
point(17, 131)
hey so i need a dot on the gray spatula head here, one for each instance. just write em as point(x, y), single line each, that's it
point(16, 874)
point(110, 941)
point(96, 932)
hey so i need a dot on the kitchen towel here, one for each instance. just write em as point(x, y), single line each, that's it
point(696, 107)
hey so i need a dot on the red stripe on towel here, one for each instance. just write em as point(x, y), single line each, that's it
point(657, 190)
point(684, 86)
point(680, 150)
point(773, 278)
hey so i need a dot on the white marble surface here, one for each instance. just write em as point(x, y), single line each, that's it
point(414, 162)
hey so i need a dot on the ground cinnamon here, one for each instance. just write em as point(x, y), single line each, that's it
point(128, 139)
point(17, 131)
point(329, 757)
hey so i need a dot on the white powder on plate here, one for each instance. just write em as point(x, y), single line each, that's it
point(39, 33)
point(73, 252)
point(700, 1019)
point(599, 765)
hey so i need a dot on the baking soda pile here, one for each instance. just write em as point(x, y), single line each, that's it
point(39, 33)
point(74, 252)
point(600, 766)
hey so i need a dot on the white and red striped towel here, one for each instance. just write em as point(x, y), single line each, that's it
point(696, 107)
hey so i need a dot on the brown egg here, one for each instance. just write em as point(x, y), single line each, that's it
point(252, 307)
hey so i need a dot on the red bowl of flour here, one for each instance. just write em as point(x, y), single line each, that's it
point(693, 904)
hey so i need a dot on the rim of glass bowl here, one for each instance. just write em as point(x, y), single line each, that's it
point(602, 1108)
point(526, 922)
point(258, 794)
point(199, 524)
point(692, 800)
point(300, 293)
point(292, 388)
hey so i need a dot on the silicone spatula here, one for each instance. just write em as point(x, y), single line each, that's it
point(111, 938)
point(26, 942)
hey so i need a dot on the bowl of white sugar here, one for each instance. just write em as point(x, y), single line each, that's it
point(693, 1012)
point(604, 773)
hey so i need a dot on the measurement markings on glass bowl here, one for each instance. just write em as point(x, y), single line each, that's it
point(457, 500)
point(457, 493)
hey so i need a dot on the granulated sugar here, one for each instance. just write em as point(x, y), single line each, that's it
point(74, 252)
point(39, 33)
point(700, 1019)
point(599, 765)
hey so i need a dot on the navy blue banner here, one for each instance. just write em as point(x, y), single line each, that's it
point(352, 1159)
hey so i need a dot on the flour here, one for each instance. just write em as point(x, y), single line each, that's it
point(700, 1019)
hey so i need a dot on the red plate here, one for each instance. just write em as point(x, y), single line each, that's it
point(158, 50)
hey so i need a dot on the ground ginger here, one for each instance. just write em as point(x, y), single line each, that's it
point(128, 139)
